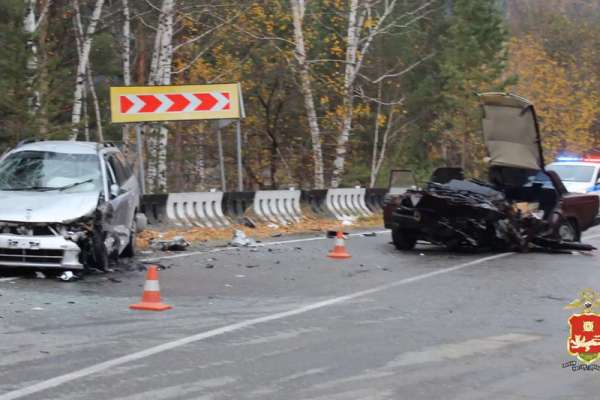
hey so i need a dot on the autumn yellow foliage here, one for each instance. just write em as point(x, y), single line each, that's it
point(564, 94)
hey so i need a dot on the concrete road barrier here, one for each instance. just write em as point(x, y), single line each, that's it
point(154, 206)
point(203, 209)
point(374, 198)
point(278, 206)
point(347, 203)
point(235, 204)
point(315, 201)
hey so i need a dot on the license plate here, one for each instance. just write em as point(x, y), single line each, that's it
point(23, 244)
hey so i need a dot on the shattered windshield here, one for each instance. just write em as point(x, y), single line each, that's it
point(573, 173)
point(45, 171)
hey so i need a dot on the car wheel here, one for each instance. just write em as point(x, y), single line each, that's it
point(403, 240)
point(567, 231)
point(101, 258)
point(129, 251)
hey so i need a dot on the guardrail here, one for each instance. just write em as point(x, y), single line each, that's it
point(278, 206)
point(203, 209)
point(347, 204)
point(217, 209)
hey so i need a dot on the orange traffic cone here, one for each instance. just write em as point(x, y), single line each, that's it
point(339, 251)
point(151, 296)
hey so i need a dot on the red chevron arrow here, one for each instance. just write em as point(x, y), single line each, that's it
point(125, 104)
point(152, 103)
point(174, 102)
point(207, 101)
point(179, 102)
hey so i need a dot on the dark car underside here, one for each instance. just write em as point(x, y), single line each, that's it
point(460, 213)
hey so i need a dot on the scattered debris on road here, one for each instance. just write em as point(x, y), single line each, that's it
point(67, 276)
point(241, 240)
point(178, 243)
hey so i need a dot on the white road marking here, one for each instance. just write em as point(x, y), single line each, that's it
point(265, 244)
point(62, 379)
point(9, 279)
point(453, 351)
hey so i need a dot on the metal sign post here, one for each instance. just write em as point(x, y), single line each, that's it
point(140, 156)
point(238, 132)
point(221, 159)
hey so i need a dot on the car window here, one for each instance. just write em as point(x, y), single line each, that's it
point(573, 173)
point(45, 170)
point(110, 174)
point(124, 164)
point(120, 172)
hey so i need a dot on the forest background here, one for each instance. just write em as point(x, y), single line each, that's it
point(337, 92)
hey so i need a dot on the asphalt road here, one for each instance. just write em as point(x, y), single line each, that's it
point(285, 322)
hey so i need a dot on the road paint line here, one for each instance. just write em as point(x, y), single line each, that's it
point(62, 379)
point(9, 279)
point(264, 244)
point(453, 351)
point(592, 236)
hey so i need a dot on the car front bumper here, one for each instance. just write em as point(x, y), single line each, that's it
point(38, 252)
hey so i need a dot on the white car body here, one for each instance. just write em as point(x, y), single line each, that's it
point(584, 183)
point(52, 226)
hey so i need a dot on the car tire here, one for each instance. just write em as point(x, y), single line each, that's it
point(567, 231)
point(101, 257)
point(403, 240)
point(129, 251)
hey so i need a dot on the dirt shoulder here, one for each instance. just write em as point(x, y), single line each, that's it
point(197, 235)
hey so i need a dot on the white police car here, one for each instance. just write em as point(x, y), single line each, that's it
point(579, 174)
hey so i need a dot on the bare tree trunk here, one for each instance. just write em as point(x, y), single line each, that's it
point(42, 84)
point(29, 26)
point(387, 135)
point(375, 138)
point(126, 60)
point(90, 82)
point(348, 101)
point(82, 66)
point(200, 162)
point(92, 89)
point(86, 125)
point(160, 74)
point(298, 9)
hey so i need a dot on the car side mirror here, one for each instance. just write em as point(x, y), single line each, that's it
point(114, 190)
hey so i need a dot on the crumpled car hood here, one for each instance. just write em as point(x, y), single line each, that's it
point(51, 207)
point(511, 131)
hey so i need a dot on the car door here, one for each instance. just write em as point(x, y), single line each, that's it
point(120, 198)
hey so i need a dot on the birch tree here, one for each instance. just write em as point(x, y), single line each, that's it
point(83, 64)
point(359, 15)
point(31, 24)
point(89, 86)
point(160, 74)
point(298, 11)
point(126, 62)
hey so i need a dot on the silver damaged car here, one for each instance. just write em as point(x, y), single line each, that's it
point(65, 204)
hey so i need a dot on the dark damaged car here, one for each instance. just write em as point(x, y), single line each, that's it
point(521, 205)
point(68, 205)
